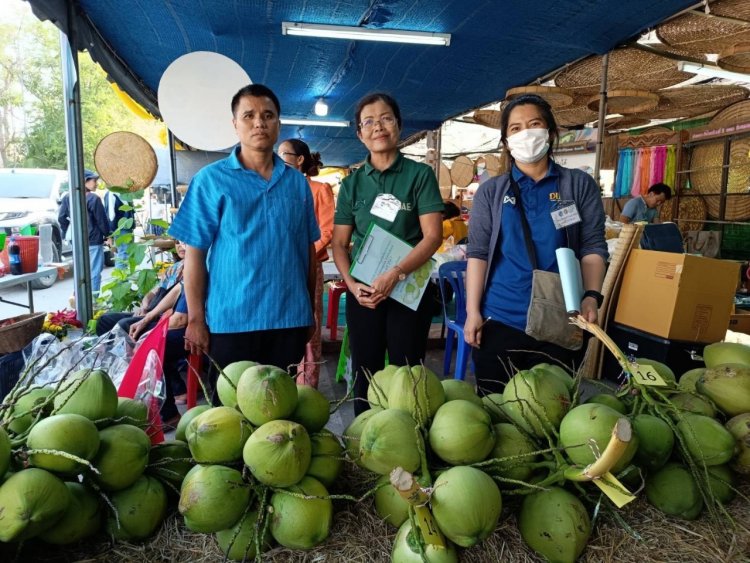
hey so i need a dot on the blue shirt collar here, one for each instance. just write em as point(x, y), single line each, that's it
point(279, 166)
point(551, 171)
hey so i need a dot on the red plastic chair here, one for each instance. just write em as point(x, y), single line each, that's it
point(335, 291)
point(195, 362)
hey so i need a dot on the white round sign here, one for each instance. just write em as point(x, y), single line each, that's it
point(195, 93)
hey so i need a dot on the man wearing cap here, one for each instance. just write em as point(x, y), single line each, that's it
point(98, 226)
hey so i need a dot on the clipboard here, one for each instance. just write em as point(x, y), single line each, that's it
point(379, 252)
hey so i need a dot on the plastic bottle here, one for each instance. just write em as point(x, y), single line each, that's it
point(14, 257)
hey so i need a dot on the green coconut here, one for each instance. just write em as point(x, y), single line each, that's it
point(278, 453)
point(406, 549)
point(390, 439)
point(416, 391)
point(739, 427)
point(692, 402)
point(512, 443)
point(466, 504)
point(655, 441)
point(213, 498)
point(82, 519)
point(312, 410)
point(592, 422)
point(706, 439)
point(461, 433)
point(555, 524)
point(130, 411)
point(301, 523)
point(460, 389)
point(238, 542)
point(141, 509)
point(493, 404)
point(170, 461)
point(720, 353)
point(688, 380)
point(663, 370)
point(122, 456)
point(379, 387)
point(536, 402)
point(266, 393)
point(389, 504)
point(226, 384)
point(352, 434)
point(4, 452)
point(673, 490)
point(89, 393)
point(31, 501)
point(728, 386)
point(218, 435)
point(26, 408)
point(722, 483)
point(180, 432)
point(610, 400)
point(327, 457)
point(558, 371)
point(66, 433)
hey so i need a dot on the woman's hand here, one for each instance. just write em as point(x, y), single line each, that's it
point(138, 327)
point(590, 310)
point(385, 282)
point(364, 294)
point(473, 329)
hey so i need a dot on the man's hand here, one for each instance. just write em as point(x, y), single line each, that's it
point(196, 337)
point(138, 327)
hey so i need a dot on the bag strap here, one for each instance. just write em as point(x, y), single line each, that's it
point(524, 222)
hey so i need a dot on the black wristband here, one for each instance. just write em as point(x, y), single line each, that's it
point(595, 294)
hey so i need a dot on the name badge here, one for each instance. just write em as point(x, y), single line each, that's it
point(386, 206)
point(564, 214)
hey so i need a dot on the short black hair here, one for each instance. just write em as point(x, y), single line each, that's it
point(311, 163)
point(450, 210)
point(256, 91)
point(375, 97)
point(544, 108)
point(661, 188)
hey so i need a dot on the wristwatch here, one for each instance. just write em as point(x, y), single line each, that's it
point(401, 274)
point(595, 294)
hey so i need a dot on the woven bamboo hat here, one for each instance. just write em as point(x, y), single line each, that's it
point(555, 97)
point(697, 34)
point(462, 171)
point(625, 101)
point(488, 118)
point(691, 101)
point(690, 207)
point(127, 160)
point(736, 58)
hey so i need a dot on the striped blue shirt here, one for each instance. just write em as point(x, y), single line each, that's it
point(258, 233)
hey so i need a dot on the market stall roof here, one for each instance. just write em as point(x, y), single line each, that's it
point(495, 45)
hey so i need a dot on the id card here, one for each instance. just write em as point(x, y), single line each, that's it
point(386, 206)
point(564, 214)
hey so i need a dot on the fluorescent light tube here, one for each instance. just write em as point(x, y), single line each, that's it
point(365, 34)
point(713, 71)
point(314, 122)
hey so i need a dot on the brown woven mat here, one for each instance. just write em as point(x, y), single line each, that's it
point(690, 207)
point(691, 101)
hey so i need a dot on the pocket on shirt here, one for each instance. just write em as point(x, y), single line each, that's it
point(288, 212)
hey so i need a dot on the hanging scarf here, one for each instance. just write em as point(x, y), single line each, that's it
point(635, 187)
point(670, 168)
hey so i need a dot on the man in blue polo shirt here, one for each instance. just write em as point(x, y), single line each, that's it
point(249, 226)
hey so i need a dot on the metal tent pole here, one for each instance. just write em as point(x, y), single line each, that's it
point(172, 166)
point(600, 125)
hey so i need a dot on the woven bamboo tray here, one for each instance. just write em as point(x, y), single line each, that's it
point(488, 118)
point(625, 101)
point(462, 171)
point(692, 207)
point(625, 122)
point(736, 58)
point(691, 101)
point(575, 114)
point(556, 97)
point(127, 160)
point(700, 35)
point(24, 329)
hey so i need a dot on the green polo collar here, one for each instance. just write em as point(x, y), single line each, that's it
point(394, 167)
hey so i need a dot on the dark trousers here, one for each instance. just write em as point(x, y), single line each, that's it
point(107, 321)
point(174, 352)
point(391, 326)
point(284, 348)
point(505, 350)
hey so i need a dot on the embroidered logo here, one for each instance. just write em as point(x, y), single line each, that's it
point(554, 196)
point(509, 199)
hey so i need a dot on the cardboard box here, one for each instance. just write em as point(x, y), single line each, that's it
point(740, 321)
point(677, 296)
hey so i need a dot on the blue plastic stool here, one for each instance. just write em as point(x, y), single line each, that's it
point(452, 274)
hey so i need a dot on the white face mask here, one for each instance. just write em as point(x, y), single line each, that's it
point(529, 145)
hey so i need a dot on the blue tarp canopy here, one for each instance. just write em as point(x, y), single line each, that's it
point(495, 45)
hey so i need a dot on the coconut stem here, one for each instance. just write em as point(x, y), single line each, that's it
point(621, 436)
point(599, 333)
point(408, 488)
point(66, 455)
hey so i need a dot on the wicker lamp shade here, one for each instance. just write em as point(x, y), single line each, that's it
point(556, 97)
point(462, 171)
point(736, 58)
point(127, 160)
point(628, 69)
point(692, 101)
point(625, 101)
point(690, 207)
point(700, 35)
point(488, 118)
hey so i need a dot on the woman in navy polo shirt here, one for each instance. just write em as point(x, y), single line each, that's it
point(401, 196)
point(499, 272)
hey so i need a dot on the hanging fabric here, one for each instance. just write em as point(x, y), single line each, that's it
point(645, 170)
point(627, 177)
point(635, 187)
point(659, 159)
point(670, 168)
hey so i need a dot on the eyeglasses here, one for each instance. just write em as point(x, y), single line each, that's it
point(369, 123)
point(283, 154)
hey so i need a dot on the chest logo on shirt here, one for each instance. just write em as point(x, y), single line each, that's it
point(405, 206)
point(509, 199)
point(554, 196)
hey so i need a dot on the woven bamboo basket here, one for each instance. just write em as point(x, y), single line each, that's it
point(692, 207)
point(488, 118)
point(628, 69)
point(691, 101)
point(625, 101)
point(127, 160)
point(700, 35)
point(22, 330)
point(462, 171)
point(736, 58)
point(556, 97)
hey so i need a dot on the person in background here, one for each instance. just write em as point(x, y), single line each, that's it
point(646, 207)
point(401, 196)
point(113, 208)
point(249, 224)
point(453, 226)
point(98, 227)
point(499, 271)
point(297, 154)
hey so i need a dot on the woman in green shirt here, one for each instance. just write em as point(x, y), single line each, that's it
point(401, 196)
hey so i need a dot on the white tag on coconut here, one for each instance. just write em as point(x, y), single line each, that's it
point(615, 491)
point(645, 374)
